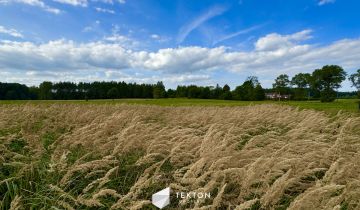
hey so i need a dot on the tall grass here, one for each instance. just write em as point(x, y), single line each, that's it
point(67, 156)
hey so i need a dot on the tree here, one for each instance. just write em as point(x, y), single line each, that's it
point(259, 93)
point(245, 92)
point(205, 92)
point(45, 92)
point(226, 95)
point(301, 81)
point(113, 93)
point(216, 93)
point(11, 95)
point(282, 84)
point(355, 80)
point(226, 88)
point(327, 79)
point(14, 91)
point(250, 90)
point(34, 92)
point(159, 90)
point(171, 93)
point(193, 91)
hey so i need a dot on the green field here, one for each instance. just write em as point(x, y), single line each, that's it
point(349, 105)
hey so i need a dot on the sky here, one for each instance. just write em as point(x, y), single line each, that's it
point(179, 42)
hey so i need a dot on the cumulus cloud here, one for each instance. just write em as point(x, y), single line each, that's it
point(276, 41)
point(272, 54)
point(10, 32)
point(36, 3)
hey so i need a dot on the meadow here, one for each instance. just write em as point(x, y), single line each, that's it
point(348, 105)
point(111, 155)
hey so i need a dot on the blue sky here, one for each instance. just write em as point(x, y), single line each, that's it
point(202, 42)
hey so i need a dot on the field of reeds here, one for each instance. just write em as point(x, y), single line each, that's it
point(71, 156)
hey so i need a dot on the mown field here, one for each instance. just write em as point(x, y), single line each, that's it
point(348, 105)
point(115, 156)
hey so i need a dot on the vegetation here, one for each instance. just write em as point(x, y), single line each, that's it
point(250, 90)
point(282, 84)
point(355, 80)
point(102, 156)
point(321, 84)
point(326, 80)
point(302, 83)
point(347, 105)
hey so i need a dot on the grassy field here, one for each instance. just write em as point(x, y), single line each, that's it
point(115, 156)
point(349, 105)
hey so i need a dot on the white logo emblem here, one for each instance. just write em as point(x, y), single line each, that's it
point(161, 198)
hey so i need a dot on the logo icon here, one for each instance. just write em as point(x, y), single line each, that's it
point(161, 198)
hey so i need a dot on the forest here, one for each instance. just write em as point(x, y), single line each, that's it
point(321, 84)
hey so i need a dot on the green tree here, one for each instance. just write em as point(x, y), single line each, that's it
point(11, 95)
point(113, 93)
point(226, 88)
point(193, 91)
point(259, 93)
point(216, 92)
point(250, 90)
point(159, 90)
point(282, 84)
point(45, 90)
point(302, 82)
point(205, 92)
point(226, 95)
point(34, 92)
point(355, 80)
point(327, 79)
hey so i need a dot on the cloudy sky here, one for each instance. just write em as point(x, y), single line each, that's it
point(200, 42)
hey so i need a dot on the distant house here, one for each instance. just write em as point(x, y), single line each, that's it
point(277, 96)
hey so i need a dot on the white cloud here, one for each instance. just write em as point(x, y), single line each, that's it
point(276, 41)
point(323, 2)
point(122, 40)
point(158, 38)
point(189, 27)
point(82, 3)
point(37, 3)
point(155, 36)
point(99, 9)
point(172, 79)
point(10, 32)
point(110, 1)
point(272, 55)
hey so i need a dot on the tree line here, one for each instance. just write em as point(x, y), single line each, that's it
point(320, 84)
